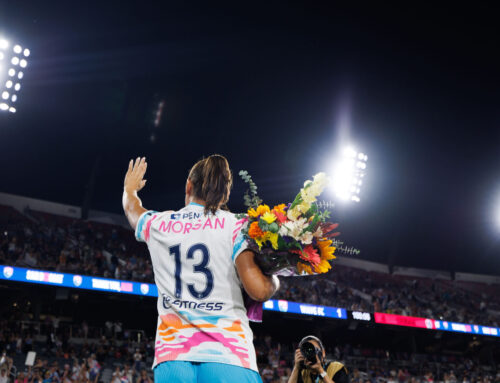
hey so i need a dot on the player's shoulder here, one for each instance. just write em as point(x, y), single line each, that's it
point(159, 214)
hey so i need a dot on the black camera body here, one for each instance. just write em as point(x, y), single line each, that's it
point(309, 351)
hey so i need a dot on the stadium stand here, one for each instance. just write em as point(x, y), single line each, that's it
point(49, 236)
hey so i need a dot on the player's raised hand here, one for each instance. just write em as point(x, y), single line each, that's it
point(134, 178)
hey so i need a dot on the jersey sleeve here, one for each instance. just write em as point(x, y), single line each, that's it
point(142, 230)
point(240, 243)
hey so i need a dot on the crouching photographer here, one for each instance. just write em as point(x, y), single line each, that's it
point(311, 366)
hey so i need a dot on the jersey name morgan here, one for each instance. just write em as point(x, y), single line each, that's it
point(201, 314)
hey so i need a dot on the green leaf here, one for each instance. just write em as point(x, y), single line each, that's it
point(282, 244)
point(264, 226)
point(296, 201)
point(312, 226)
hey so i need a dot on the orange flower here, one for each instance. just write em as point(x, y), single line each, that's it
point(280, 208)
point(301, 267)
point(255, 231)
point(262, 209)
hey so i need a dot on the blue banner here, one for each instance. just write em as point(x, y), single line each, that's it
point(54, 278)
point(305, 309)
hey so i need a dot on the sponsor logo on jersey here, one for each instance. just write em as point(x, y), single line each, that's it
point(169, 302)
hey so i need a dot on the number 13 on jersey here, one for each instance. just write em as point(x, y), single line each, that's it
point(201, 267)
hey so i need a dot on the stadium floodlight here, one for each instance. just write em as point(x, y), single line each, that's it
point(12, 58)
point(348, 174)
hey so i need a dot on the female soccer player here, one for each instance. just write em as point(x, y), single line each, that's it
point(199, 258)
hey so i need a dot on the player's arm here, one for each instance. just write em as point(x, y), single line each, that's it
point(258, 286)
point(134, 182)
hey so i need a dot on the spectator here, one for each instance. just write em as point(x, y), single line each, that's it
point(137, 360)
point(4, 377)
point(117, 375)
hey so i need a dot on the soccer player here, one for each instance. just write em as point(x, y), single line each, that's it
point(199, 258)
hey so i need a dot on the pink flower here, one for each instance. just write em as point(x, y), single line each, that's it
point(309, 254)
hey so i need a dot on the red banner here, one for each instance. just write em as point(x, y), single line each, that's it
point(401, 320)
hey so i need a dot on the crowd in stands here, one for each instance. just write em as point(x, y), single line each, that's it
point(368, 365)
point(360, 290)
point(63, 359)
point(50, 242)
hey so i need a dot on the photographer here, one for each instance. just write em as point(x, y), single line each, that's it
point(310, 364)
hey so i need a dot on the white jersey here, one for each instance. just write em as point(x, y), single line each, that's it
point(201, 314)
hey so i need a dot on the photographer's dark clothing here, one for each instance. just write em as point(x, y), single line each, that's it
point(335, 370)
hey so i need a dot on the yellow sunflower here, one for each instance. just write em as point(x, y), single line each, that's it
point(302, 267)
point(326, 251)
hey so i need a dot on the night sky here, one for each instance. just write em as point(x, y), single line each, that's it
point(278, 89)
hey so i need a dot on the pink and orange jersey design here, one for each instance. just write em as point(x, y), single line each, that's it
point(197, 339)
point(202, 317)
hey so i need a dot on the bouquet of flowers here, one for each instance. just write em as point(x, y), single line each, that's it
point(294, 238)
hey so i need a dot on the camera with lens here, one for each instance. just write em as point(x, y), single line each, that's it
point(309, 352)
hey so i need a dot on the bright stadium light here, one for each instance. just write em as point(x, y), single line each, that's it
point(348, 174)
point(12, 57)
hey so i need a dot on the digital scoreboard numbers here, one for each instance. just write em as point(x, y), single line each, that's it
point(361, 316)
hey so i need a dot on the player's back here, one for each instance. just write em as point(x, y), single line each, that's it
point(201, 312)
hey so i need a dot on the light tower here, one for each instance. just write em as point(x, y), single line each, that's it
point(348, 175)
point(13, 61)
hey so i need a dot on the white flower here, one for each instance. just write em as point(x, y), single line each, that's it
point(318, 233)
point(308, 195)
point(306, 238)
point(314, 188)
point(293, 214)
point(293, 228)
